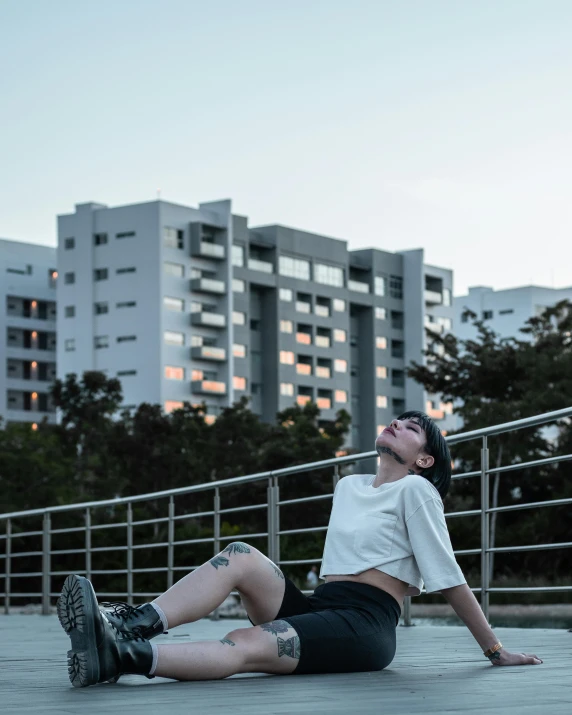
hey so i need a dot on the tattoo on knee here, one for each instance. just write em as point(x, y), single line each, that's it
point(236, 548)
point(290, 647)
point(278, 572)
point(227, 641)
point(387, 450)
point(219, 561)
point(275, 627)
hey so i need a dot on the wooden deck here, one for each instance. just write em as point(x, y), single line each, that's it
point(436, 670)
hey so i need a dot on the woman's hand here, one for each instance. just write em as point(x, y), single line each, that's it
point(507, 658)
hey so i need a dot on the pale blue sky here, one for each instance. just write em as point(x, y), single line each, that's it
point(445, 124)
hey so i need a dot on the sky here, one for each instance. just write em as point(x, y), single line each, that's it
point(441, 124)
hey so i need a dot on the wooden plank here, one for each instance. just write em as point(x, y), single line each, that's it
point(436, 670)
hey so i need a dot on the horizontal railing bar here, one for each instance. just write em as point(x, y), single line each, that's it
point(526, 465)
point(466, 552)
point(160, 520)
point(194, 541)
point(24, 595)
point(241, 537)
point(67, 531)
point(466, 475)
point(534, 547)
point(150, 545)
point(530, 589)
point(20, 554)
point(301, 500)
point(68, 551)
point(530, 505)
point(299, 561)
point(186, 568)
point(180, 517)
point(303, 531)
point(160, 568)
point(109, 548)
point(21, 575)
point(470, 512)
point(107, 572)
point(243, 508)
point(22, 534)
point(115, 525)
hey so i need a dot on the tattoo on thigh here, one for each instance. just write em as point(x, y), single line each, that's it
point(290, 647)
point(236, 548)
point(275, 627)
point(219, 561)
point(278, 572)
point(387, 450)
point(227, 641)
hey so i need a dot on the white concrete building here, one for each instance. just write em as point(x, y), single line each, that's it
point(28, 278)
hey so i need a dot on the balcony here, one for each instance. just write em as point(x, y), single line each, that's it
point(208, 352)
point(304, 338)
point(208, 387)
point(324, 403)
point(322, 341)
point(432, 297)
point(256, 265)
point(208, 320)
point(322, 310)
point(205, 249)
point(208, 285)
point(303, 369)
point(324, 372)
point(303, 307)
point(358, 286)
point(303, 400)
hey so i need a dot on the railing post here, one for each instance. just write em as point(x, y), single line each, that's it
point(171, 542)
point(277, 522)
point(46, 564)
point(8, 566)
point(129, 554)
point(88, 544)
point(485, 527)
point(215, 615)
point(271, 519)
point(336, 476)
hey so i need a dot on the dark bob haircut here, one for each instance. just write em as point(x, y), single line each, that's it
point(440, 473)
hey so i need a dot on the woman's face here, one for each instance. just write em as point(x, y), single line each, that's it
point(406, 439)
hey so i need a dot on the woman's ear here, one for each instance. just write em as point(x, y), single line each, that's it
point(425, 462)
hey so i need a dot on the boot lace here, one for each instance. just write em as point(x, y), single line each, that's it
point(120, 609)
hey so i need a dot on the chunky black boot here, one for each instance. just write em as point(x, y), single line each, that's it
point(99, 652)
point(144, 619)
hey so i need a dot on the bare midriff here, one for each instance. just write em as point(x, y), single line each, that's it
point(394, 586)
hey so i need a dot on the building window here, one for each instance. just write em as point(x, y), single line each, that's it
point(380, 313)
point(287, 389)
point(174, 269)
point(99, 239)
point(487, 314)
point(237, 254)
point(101, 341)
point(174, 373)
point(328, 275)
point(286, 295)
point(176, 304)
point(397, 349)
point(254, 324)
point(286, 326)
point(339, 305)
point(126, 338)
point(381, 401)
point(294, 267)
point(238, 317)
point(238, 285)
point(69, 243)
point(340, 396)
point(101, 308)
point(69, 278)
point(464, 318)
point(100, 274)
point(238, 350)
point(286, 357)
point(379, 285)
point(340, 365)
point(69, 311)
point(52, 278)
point(396, 287)
point(125, 234)
point(172, 405)
point(172, 338)
point(381, 372)
point(126, 304)
point(509, 311)
point(173, 238)
point(131, 269)
point(197, 375)
point(380, 343)
point(239, 383)
point(446, 297)
point(340, 336)
point(304, 334)
point(126, 373)
point(304, 303)
point(69, 345)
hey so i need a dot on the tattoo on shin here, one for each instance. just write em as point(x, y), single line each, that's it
point(275, 627)
point(290, 647)
point(219, 561)
point(278, 572)
point(387, 450)
point(227, 641)
point(236, 548)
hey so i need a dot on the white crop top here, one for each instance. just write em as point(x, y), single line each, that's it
point(398, 528)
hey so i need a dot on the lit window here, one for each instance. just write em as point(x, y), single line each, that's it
point(238, 318)
point(287, 389)
point(328, 275)
point(339, 305)
point(380, 313)
point(340, 336)
point(341, 396)
point(34, 304)
point(381, 401)
point(286, 295)
point(172, 338)
point(34, 395)
point(34, 334)
point(197, 375)
point(303, 368)
point(381, 372)
point(238, 286)
point(239, 383)
point(177, 304)
point(239, 350)
point(340, 365)
point(286, 326)
point(171, 405)
point(294, 267)
point(172, 238)
point(210, 419)
point(304, 338)
point(174, 373)
point(237, 255)
point(286, 357)
point(174, 269)
point(379, 285)
point(381, 343)
point(34, 364)
point(303, 399)
point(34, 426)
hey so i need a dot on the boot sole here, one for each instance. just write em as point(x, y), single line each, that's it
point(77, 608)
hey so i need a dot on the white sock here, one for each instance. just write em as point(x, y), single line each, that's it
point(162, 615)
point(155, 656)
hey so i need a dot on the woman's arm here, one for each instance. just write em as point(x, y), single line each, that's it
point(466, 606)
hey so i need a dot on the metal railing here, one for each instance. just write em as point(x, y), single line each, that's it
point(49, 557)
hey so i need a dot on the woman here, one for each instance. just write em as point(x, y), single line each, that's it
point(387, 535)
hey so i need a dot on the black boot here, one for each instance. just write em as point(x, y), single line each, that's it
point(99, 652)
point(143, 619)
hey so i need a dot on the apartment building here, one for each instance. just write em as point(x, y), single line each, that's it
point(192, 304)
point(28, 278)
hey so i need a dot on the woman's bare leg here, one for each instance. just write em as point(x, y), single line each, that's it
point(238, 567)
point(271, 648)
